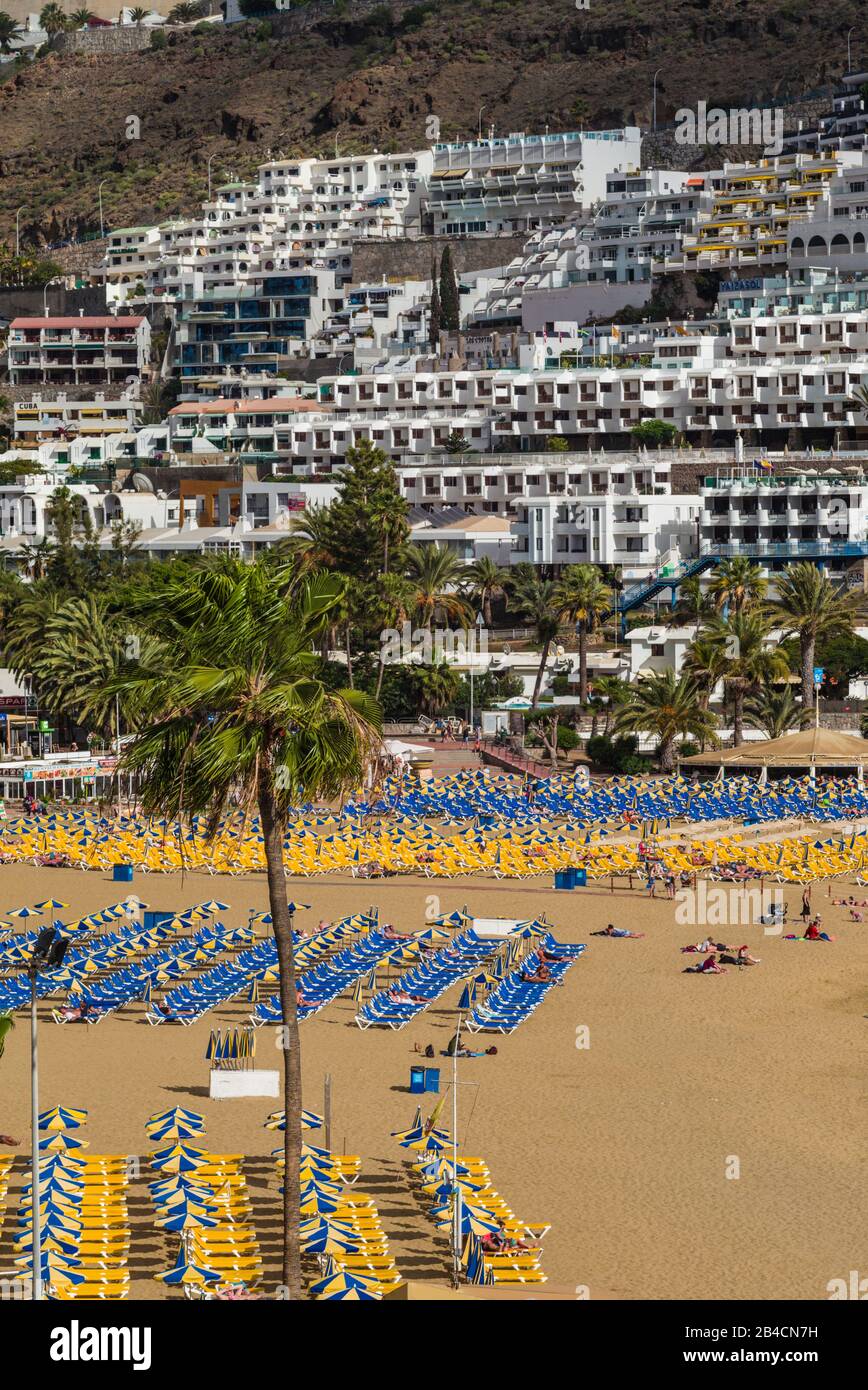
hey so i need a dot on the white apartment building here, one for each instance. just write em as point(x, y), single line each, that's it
point(519, 182)
point(807, 513)
point(844, 127)
point(42, 419)
point(597, 262)
point(90, 350)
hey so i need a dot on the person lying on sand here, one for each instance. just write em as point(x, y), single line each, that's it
point(7, 1139)
point(708, 967)
point(701, 947)
point(611, 930)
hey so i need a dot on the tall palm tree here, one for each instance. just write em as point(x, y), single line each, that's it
point(186, 12)
point(736, 583)
point(435, 573)
point(812, 608)
point(79, 19)
point(138, 14)
point(583, 596)
point(437, 686)
point(750, 660)
point(234, 709)
point(53, 20)
point(11, 33)
point(538, 601)
point(669, 707)
point(705, 663)
point(486, 581)
point(775, 712)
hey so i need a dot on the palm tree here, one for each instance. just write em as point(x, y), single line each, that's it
point(538, 602)
point(615, 692)
point(11, 33)
point(486, 583)
point(814, 609)
point(233, 709)
point(437, 686)
point(750, 660)
point(435, 573)
point(79, 19)
point(705, 663)
point(693, 602)
point(53, 20)
point(776, 712)
point(736, 583)
point(186, 12)
point(583, 597)
point(137, 15)
point(669, 707)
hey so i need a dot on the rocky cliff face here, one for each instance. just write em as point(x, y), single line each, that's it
point(352, 76)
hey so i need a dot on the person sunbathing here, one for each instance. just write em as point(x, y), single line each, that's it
point(7, 1139)
point(813, 933)
point(76, 1013)
point(701, 947)
point(612, 930)
point(708, 967)
point(744, 957)
point(540, 976)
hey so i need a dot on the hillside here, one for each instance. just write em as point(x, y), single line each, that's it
point(358, 77)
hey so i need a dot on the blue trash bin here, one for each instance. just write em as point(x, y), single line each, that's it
point(564, 878)
point(580, 878)
point(122, 873)
point(432, 1079)
point(417, 1079)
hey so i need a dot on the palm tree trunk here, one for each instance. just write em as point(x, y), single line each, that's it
point(540, 673)
point(381, 671)
point(272, 831)
point(737, 717)
point(807, 645)
point(583, 664)
point(486, 608)
point(666, 753)
point(349, 651)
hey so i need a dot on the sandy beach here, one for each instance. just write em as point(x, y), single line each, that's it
point(623, 1145)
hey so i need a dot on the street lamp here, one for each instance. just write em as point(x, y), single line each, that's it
point(55, 280)
point(99, 195)
point(17, 235)
point(479, 620)
point(479, 122)
point(654, 112)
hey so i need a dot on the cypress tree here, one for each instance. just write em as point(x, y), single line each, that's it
point(436, 320)
point(449, 302)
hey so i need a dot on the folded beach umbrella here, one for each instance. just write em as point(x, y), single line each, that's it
point(60, 1117)
point(56, 1268)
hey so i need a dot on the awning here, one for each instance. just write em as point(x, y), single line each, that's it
point(450, 174)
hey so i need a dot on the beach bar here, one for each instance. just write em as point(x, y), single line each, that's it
point(68, 776)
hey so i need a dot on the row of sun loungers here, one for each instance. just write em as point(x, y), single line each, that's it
point(515, 998)
point(425, 981)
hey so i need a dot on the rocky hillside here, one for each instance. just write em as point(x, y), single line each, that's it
point(353, 76)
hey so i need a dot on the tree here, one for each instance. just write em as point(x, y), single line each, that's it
point(750, 661)
point(693, 603)
point(457, 443)
point(654, 432)
point(450, 304)
point(812, 608)
point(775, 712)
point(538, 601)
point(668, 707)
point(11, 33)
point(615, 692)
point(435, 320)
point(53, 20)
point(583, 597)
point(556, 444)
point(138, 14)
point(369, 504)
point(158, 397)
point(186, 12)
point(736, 583)
point(486, 583)
point(435, 573)
point(79, 19)
point(436, 686)
point(233, 710)
point(705, 662)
